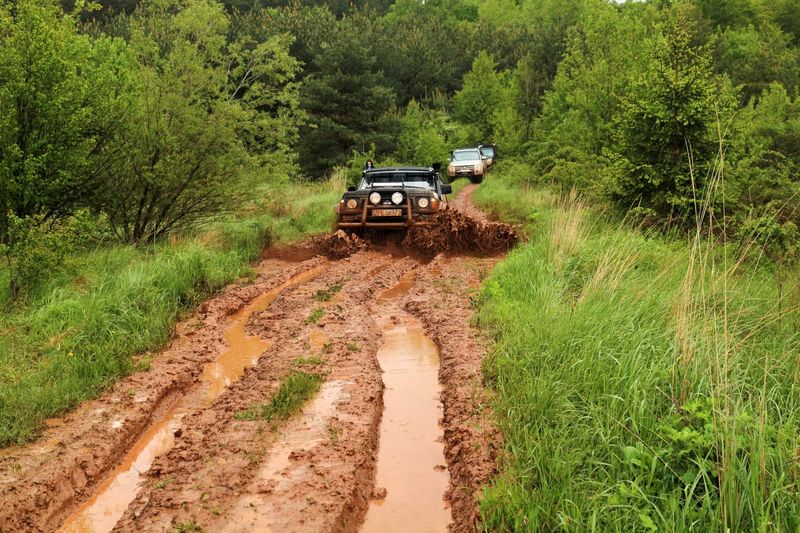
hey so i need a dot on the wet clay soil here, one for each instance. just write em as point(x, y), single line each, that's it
point(411, 477)
point(164, 449)
point(40, 483)
point(102, 511)
point(253, 511)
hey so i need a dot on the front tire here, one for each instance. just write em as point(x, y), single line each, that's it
point(475, 179)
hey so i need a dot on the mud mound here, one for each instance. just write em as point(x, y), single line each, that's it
point(453, 231)
point(337, 245)
point(450, 231)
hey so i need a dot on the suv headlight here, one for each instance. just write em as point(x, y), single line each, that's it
point(397, 198)
point(352, 203)
point(375, 198)
point(423, 203)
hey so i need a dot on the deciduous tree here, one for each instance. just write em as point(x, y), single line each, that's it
point(63, 96)
point(206, 114)
point(475, 103)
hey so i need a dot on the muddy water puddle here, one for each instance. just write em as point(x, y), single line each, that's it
point(317, 340)
point(257, 511)
point(411, 455)
point(109, 502)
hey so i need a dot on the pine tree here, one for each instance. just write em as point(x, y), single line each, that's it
point(667, 127)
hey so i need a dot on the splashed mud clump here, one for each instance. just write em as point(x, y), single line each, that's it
point(338, 245)
point(453, 231)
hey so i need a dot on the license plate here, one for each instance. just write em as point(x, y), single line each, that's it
point(387, 212)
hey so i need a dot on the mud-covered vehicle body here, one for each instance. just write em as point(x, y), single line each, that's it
point(393, 198)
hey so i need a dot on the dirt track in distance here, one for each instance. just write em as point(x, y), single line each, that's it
point(165, 448)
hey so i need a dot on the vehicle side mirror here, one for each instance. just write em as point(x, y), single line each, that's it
point(351, 189)
point(447, 189)
point(483, 157)
point(436, 166)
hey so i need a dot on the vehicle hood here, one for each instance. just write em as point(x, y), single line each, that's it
point(390, 188)
point(466, 162)
point(385, 187)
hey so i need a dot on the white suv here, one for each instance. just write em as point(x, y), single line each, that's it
point(467, 162)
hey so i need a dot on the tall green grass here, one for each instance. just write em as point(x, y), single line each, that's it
point(76, 334)
point(644, 382)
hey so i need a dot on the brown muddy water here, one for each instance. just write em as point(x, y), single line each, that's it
point(411, 463)
point(103, 510)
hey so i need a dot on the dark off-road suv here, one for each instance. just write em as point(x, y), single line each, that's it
point(393, 197)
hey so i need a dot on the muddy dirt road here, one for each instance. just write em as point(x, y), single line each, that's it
point(396, 439)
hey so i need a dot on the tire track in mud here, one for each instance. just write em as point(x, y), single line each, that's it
point(314, 472)
point(109, 501)
point(463, 202)
point(40, 483)
point(443, 301)
point(410, 472)
point(215, 468)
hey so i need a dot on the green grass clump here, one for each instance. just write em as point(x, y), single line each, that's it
point(293, 393)
point(311, 360)
point(297, 211)
point(642, 383)
point(77, 332)
point(315, 316)
point(513, 201)
point(76, 338)
point(324, 295)
point(189, 526)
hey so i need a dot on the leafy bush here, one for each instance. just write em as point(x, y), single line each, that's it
point(63, 97)
point(35, 249)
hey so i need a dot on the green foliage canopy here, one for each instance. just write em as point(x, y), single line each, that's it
point(62, 97)
point(206, 115)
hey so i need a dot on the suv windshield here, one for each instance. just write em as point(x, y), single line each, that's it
point(397, 179)
point(466, 155)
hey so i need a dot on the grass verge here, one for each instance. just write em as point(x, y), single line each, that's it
point(457, 184)
point(77, 334)
point(643, 383)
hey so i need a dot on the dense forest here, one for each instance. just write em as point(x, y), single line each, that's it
point(149, 150)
